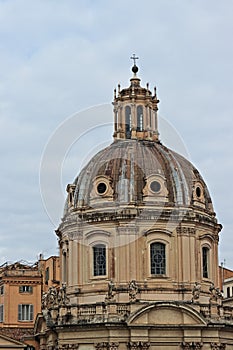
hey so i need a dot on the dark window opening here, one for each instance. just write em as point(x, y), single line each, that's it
point(198, 192)
point(128, 122)
point(47, 275)
point(155, 186)
point(71, 197)
point(25, 289)
point(139, 118)
point(205, 263)
point(158, 259)
point(101, 188)
point(150, 116)
point(1, 313)
point(99, 260)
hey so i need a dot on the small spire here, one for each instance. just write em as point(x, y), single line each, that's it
point(134, 68)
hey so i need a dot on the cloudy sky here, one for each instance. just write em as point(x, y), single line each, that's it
point(58, 58)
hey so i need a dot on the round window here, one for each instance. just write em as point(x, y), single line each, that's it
point(101, 188)
point(100, 259)
point(198, 192)
point(155, 186)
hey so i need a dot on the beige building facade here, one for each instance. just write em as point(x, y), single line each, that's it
point(138, 247)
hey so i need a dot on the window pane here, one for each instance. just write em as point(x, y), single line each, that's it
point(99, 260)
point(47, 275)
point(25, 289)
point(20, 312)
point(205, 253)
point(128, 122)
point(139, 118)
point(1, 313)
point(158, 259)
point(25, 312)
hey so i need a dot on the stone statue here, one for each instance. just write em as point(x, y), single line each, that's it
point(133, 290)
point(196, 291)
point(110, 294)
point(216, 295)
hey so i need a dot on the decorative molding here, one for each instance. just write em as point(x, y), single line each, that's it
point(192, 345)
point(218, 346)
point(182, 230)
point(138, 345)
point(68, 346)
point(107, 346)
point(21, 282)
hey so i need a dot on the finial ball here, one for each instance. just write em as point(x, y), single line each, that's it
point(135, 69)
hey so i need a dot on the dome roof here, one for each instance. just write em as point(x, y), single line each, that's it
point(139, 172)
point(136, 169)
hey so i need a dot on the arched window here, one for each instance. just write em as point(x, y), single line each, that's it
point(128, 122)
point(205, 262)
point(64, 267)
point(139, 118)
point(99, 260)
point(158, 258)
point(150, 117)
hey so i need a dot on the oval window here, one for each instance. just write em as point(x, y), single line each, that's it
point(155, 186)
point(198, 192)
point(101, 188)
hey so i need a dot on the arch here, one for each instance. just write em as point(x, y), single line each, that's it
point(93, 234)
point(208, 237)
point(165, 232)
point(166, 314)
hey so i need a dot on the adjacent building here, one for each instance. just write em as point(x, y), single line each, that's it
point(21, 288)
point(20, 299)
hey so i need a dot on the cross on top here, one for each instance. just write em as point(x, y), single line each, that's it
point(134, 58)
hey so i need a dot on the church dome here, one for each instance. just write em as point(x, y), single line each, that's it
point(138, 211)
point(139, 172)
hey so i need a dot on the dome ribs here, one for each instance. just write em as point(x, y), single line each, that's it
point(127, 164)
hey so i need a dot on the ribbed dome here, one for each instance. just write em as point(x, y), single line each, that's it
point(139, 172)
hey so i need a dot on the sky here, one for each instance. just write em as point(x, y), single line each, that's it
point(59, 63)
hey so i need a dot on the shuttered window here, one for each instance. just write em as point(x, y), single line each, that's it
point(25, 312)
point(1, 312)
point(25, 289)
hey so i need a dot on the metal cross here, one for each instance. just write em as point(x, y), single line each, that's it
point(134, 58)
